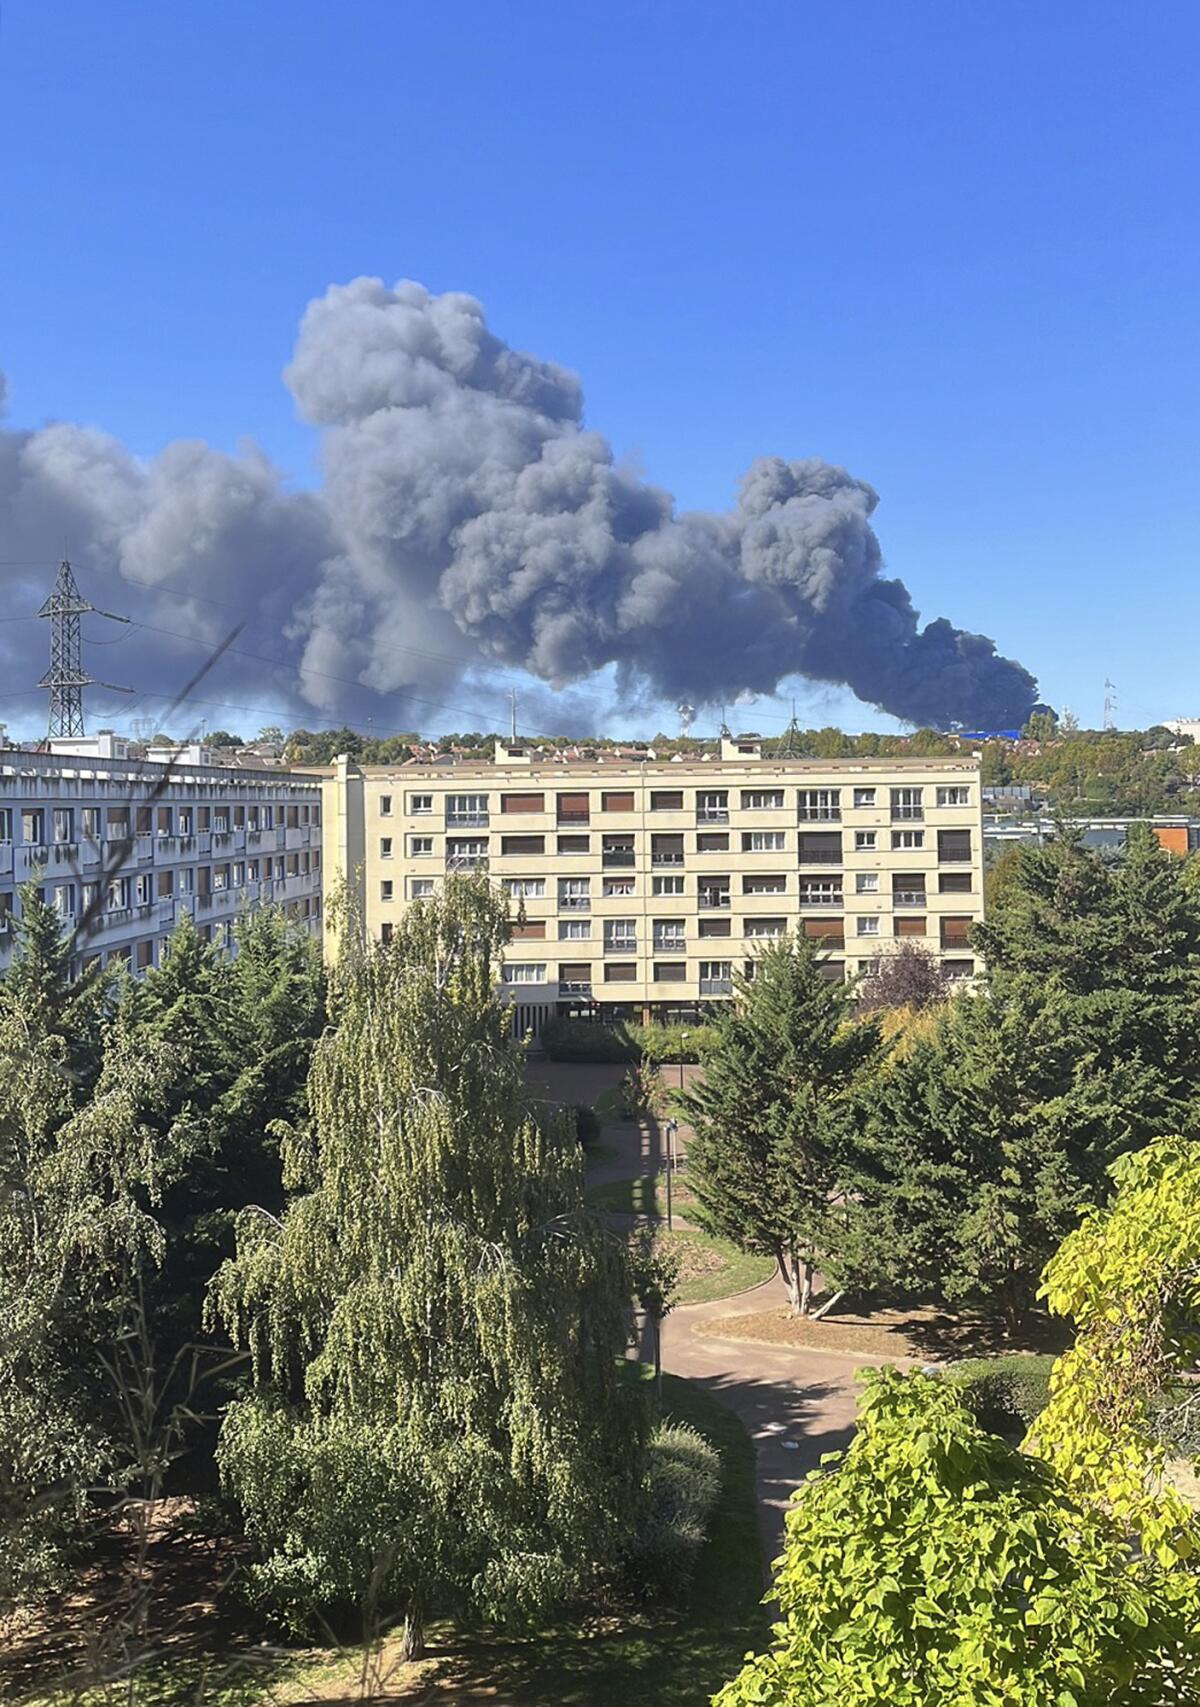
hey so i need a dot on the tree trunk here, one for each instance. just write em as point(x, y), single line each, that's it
point(806, 1287)
point(790, 1275)
point(412, 1641)
point(657, 1320)
point(827, 1306)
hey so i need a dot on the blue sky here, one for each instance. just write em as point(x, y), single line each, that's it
point(952, 247)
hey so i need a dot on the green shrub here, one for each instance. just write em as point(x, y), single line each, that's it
point(1003, 1394)
point(592, 1040)
point(680, 1487)
point(666, 1043)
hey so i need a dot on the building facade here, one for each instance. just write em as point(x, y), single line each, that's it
point(639, 888)
point(123, 847)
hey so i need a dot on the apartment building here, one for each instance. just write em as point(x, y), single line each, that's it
point(640, 887)
point(130, 845)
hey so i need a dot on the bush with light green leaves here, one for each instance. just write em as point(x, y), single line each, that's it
point(936, 1566)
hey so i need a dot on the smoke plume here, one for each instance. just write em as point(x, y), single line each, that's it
point(468, 519)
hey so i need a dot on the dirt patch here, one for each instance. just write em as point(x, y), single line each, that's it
point(924, 1333)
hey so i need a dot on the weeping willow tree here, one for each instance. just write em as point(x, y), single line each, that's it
point(437, 1420)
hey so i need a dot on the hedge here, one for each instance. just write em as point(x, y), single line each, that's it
point(1004, 1394)
point(592, 1040)
point(679, 1489)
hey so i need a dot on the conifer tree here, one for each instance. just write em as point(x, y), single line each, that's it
point(771, 1114)
point(437, 1417)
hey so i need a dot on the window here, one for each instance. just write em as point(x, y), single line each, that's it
point(31, 826)
point(818, 803)
point(385, 889)
point(525, 888)
point(668, 933)
point(420, 888)
point(955, 969)
point(385, 932)
point(574, 844)
point(910, 924)
point(716, 927)
point(466, 811)
point(524, 972)
point(866, 883)
point(712, 841)
point(618, 886)
point(954, 845)
point(762, 799)
point(869, 968)
point(616, 850)
point(828, 932)
point(820, 891)
point(864, 841)
point(820, 847)
point(713, 892)
point(420, 805)
point(763, 841)
point(620, 935)
point(908, 838)
point(954, 882)
point(118, 894)
point(574, 930)
point(666, 850)
point(908, 889)
point(867, 924)
point(574, 894)
point(956, 795)
point(671, 885)
point(520, 847)
point(522, 803)
point(63, 899)
point(864, 797)
point(774, 884)
point(420, 847)
point(620, 971)
point(955, 932)
point(5, 824)
point(90, 823)
point(666, 800)
point(908, 803)
point(764, 927)
point(64, 824)
point(716, 977)
point(385, 804)
point(574, 976)
point(712, 806)
point(385, 847)
point(573, 809)
point(466, 851)
point(620, 801)
point(670, 971)
point(531, 930)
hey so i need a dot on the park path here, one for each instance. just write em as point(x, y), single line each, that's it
point(795, 1404)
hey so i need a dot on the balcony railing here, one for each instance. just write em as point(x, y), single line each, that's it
point(669, 945)
point(831, 857)
point(716, 986)
point(618, 856)
point(620, 945)
point(465, 862)
point(574, 818)
point(834, 900)
point(907, 814)
point(820, 814)
point(574, 903)
point(908, 898)
point(712, 815)
point(573, 987)
point(713, 898)
point(466, 820)
point(666, 859)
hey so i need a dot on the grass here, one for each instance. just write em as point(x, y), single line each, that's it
point(708, 1268)
point(645, 1195)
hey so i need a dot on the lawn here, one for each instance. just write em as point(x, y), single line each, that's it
point(645, 1195)
point(708, 1268)
point(655, 1657)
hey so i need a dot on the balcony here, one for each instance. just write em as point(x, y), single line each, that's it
point(670, 945)
point(620, 945)
point(618, 857)
point(819, 814)
point(572, 987)
point(466, 820)
point(908, 898)
point(574, 903)
point(664, 859)
point(712, 898)
point(712, 815)
point(907, 814)
point(716, 986)
point(814, 900)
point(573, 820)
point(465, 862)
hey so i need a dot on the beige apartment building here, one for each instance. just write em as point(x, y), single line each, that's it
point(640, 887)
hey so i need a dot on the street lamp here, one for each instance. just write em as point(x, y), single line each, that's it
point(670, 1129)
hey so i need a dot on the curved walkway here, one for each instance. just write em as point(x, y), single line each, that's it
point(796, 1405)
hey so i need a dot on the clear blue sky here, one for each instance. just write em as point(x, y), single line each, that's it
point(951, 246)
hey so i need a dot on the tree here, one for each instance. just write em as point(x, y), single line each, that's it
point(1129, 1276)
point(42, 990)
point(936, 1565)
point(437, 1417)
point(654, 1276)
point(909, 977)
point(976, 1149)
point(771, 1115)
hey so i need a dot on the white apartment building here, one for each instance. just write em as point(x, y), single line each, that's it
point(123, 847)
point(640, 887)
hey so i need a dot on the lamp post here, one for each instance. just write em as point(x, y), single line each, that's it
point(670, 1129)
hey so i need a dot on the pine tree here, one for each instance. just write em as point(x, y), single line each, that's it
point(436, 1322)
point(771, 1114)
point(41, 988)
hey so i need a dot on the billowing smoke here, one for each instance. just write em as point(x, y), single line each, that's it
point(468, 519)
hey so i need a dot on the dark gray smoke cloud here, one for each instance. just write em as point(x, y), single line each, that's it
point(468, 519)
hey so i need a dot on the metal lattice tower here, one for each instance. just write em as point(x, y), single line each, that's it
point(65, 678)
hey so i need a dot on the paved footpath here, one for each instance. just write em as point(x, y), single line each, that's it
point(795, 1404)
